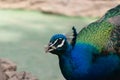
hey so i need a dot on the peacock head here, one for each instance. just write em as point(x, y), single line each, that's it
point(57, 44)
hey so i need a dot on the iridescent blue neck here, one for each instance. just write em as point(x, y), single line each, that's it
point(64, 62)
point(77, 58)
point(79, 50)
point(68, 51)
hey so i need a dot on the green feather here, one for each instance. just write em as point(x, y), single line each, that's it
point(104, 33)
point(96, 34)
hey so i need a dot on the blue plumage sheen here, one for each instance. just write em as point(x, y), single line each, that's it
point(93, 53)
point(78, 64)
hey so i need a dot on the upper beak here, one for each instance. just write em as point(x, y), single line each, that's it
point(49, 48)
point(46, 48)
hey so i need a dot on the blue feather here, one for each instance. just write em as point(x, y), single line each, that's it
point(80, 60)
point(77, 64)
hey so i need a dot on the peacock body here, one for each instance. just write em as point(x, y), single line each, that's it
point(94, 53)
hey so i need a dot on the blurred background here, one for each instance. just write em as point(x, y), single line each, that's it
point(27, 25)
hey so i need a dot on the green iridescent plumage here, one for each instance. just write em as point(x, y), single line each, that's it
point(97, 36)
point(104, 33)
point(84, 57)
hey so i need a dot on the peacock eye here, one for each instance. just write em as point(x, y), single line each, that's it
point(59, 41)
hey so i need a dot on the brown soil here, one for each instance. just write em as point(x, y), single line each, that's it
point(66, 7)
point(8, 71)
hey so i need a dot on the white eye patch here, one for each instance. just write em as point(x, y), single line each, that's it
point(58, 42)
point(54, 43)
point(62, 43)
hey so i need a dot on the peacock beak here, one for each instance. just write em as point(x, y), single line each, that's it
point(49, 48)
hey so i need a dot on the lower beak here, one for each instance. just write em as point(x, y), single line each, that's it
point(48, 49)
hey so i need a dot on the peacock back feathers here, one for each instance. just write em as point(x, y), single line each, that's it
point(103, 34)
point(83, 57)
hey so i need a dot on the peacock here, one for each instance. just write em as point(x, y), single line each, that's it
point(93, 53)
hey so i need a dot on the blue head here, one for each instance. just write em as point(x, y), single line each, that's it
point(57, 44)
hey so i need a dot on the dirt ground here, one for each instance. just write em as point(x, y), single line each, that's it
point(8, 71)
point(65, 7)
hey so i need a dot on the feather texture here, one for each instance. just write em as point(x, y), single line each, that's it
point(104, 34)
point(85, 57)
